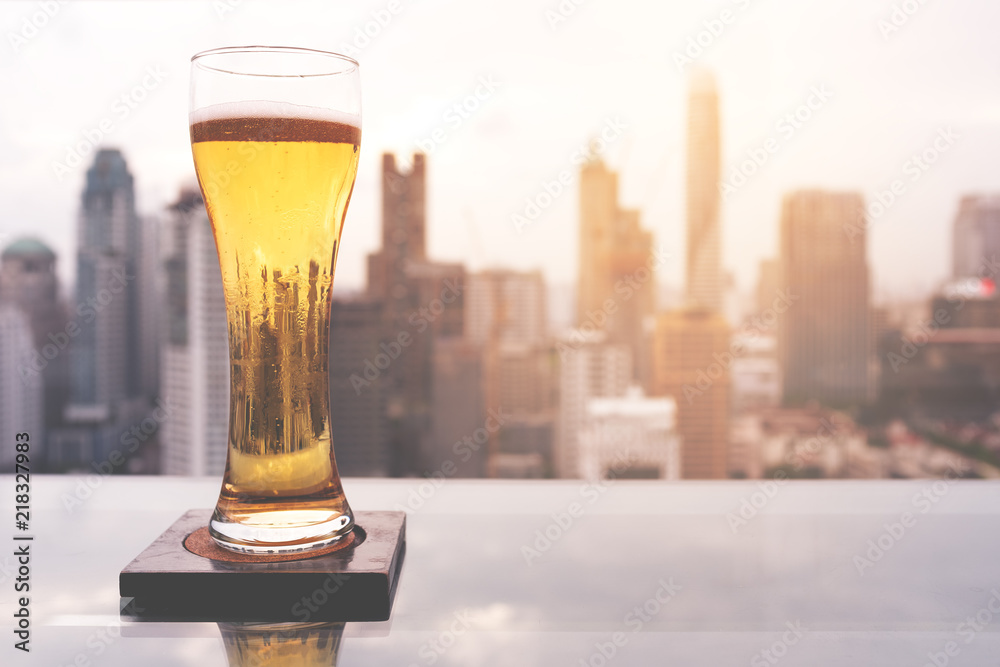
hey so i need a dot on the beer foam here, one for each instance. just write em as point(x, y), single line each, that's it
point(268, 109)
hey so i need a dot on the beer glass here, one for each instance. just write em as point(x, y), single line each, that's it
point(275, 134)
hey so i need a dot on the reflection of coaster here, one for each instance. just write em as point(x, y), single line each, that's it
point(174, 579)
point(201, 543)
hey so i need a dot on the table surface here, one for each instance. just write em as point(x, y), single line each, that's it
point(567, 573)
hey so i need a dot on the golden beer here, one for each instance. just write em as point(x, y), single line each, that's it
point(277, 180)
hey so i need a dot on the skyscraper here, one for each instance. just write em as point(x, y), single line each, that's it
point(617, 286)
point(195, 354)
point(976, 234)
point(358, 422)
point(688, 343)
point(403, 223)
point(506, 305)
point(28, 281)
point(458, 411)
point(825, 342)
point(107, 360)
point(505, 315)
point(691, 362)
point(704, 251)
point(107, 384)
point(419, 298)
point(20, 396)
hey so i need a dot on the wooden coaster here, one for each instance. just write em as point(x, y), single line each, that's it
point(200, 543)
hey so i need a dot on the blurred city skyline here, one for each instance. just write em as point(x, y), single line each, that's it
point(544, 80)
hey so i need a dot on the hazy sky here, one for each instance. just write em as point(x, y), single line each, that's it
point(557, 84)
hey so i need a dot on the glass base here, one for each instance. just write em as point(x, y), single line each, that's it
point(280, 531)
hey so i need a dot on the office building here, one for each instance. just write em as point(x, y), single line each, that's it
point(107, 381)
point(692, 362)
point(704, 278)
point(506, 306)
point(358, 421)
point(195, 353)
point(617, 272)
point(21, 397)
point(28, 281)
point(459, 432)
point(976, 236)
point(825, 345)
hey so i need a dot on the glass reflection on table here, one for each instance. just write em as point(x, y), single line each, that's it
point(252, 644)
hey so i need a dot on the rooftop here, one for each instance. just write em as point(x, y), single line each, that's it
point(27, 246)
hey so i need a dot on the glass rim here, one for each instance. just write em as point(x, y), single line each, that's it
point(197, 60)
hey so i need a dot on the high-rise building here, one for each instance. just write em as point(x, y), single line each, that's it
point(704, 246)
point(691, 362)
point(28, 281)
point(505, 314)
point(976, 235)
point(358, 388)
point(107, 356)
point(107, 388)
point(421, 299)
point(403, 232)
point(458, 411)
point(20, 394)
point(505, 306)
point(195, 353)
point(944, 364)
point(616, 286)
point(825, 345)
point(149, 291)
point(589, 368)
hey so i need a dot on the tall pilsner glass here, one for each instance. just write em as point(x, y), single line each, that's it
point(275, 134)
